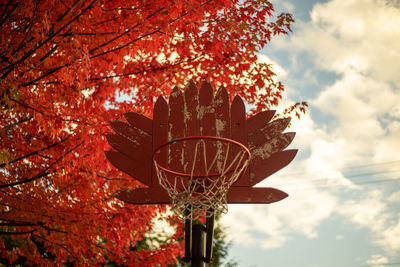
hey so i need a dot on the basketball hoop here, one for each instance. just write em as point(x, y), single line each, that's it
point(199, 152)
point(201, 186)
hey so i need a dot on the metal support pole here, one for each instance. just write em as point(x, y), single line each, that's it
point(209, 237)
point(188, 238)
point(198, 245)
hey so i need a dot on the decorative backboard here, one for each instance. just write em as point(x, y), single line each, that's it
point(199, 113)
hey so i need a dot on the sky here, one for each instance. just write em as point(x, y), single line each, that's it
point(343, 209)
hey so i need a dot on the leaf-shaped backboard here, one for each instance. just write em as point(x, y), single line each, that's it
point(195, 112)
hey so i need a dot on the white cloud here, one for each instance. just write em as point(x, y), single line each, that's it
point(377, 260)
point(372, 213)
point(357, 41)
point(270, 226)
point(284, 5)
point(364, 211)
point(360, 106)
point(395, 197)
point(339, 237)
point(250, 225)
point(390, 238)
point(354, 35)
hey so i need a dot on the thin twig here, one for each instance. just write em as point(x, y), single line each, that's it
point(42, 173)
point(36, 152)
point(17, 233)
point(28, 54)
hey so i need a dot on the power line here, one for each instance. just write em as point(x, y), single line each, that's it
point(339, 185)
point(371, 173)
point(383, 264)
point(342, 169)
point(378, 181)
point(348, 176)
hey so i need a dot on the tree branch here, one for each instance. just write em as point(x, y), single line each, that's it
point(9, 68)
point(6, 16)
point(143, 36)
point(42, 59)
point(144, 71)
point(68, 11)
point(127, 44)
point(58, 244)
point(115, 18)
point(86, 33)
point(126, 32)
point(44, 75)
point(51, 229)
point(16, 123)
point(105, 21)
point(17, 233)
point(42, 173)
point(16, 224)
point(35, 152)
point(102, 176)
point(22, 223)
point(26, 106)
point(23, 42)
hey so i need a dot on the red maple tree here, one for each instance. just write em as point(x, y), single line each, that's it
point(64, 65)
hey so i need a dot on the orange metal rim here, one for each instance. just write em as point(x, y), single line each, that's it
point(200, 137)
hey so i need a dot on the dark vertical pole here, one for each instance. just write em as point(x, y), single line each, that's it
point(209, 237)
point(198, 246)
point(188, 238)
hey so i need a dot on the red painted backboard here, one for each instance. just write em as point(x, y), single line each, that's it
point(199, 113)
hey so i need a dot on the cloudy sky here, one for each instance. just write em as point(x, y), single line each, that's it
point(343, 57)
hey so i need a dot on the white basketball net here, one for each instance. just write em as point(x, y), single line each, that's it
point(193, 196)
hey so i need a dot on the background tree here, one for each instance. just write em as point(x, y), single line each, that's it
point(63, 64)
